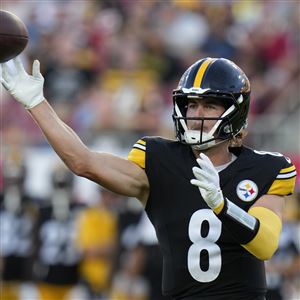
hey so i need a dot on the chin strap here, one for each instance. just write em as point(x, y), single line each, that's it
point(194, 136)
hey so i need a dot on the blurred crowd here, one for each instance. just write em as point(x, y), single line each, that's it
point(110, 67)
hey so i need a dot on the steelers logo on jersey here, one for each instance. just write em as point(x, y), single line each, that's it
point(247, 190)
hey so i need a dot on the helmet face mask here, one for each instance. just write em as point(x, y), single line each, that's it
point(223, 81)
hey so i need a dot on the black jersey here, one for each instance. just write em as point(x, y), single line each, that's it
point(17, 242)
point(58, 257)
point(201, 260)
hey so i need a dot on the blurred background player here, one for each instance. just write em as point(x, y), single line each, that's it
point(128, 282)
point(97, 242)
point(283, 269)
point(18, 216)
point(57, 265)
point(146, 239)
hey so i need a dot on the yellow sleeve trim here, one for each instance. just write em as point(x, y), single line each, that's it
point(141, 142)
point(138, 153)
point(287, 170)
point(282, 187)
point(265, 243)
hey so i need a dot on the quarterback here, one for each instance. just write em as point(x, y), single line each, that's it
point(216, 204)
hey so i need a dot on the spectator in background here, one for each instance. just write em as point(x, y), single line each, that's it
point(116, 35)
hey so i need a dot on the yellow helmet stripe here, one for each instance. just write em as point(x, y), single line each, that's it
point(201, 71)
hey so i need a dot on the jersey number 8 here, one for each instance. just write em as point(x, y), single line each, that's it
point(204, 243)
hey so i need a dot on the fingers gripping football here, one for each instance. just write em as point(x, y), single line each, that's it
point(208, 181)
point(25, 88)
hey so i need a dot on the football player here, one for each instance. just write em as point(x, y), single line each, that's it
point(216, 208)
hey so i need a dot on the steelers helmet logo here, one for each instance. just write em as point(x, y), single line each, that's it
point(247, 190)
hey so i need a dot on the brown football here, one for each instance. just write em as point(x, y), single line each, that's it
point(13, 36)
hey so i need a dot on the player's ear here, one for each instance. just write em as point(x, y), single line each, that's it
point(237, 141)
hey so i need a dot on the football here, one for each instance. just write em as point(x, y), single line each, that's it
point(13, 36)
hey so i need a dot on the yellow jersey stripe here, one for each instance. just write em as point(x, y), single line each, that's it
point(282, 187)
point(201, 71)
point(142, 142)
point(287, 170)
point(287, 175)
point(139, 146)
point(137, 156)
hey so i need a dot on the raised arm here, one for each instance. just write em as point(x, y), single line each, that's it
point(114, 173)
